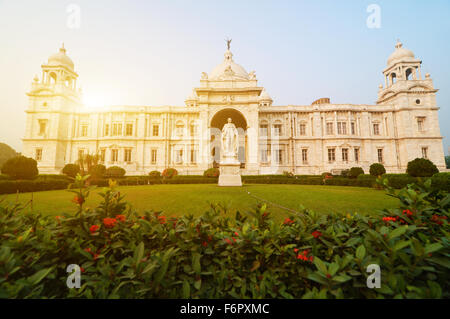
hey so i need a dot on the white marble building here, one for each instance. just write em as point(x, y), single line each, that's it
point(303, 139)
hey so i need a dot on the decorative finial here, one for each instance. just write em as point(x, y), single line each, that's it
point(62, 49)
point(228, 42)
point(399, 44)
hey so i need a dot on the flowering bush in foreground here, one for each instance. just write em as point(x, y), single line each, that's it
point(123, 255)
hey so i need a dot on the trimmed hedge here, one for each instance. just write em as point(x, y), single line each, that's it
point(441, 181)
point(25, 186)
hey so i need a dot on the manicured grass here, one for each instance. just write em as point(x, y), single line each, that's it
point(193, 199)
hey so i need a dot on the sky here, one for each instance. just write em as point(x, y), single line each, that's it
point(130, 52)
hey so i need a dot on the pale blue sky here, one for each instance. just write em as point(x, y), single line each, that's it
point(153, 52)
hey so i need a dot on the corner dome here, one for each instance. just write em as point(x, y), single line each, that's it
point(400, 55)
point(264, 96)
point(228, 69)
point(61, 59)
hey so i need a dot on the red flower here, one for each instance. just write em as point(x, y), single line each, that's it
point(94, 228)
point(204, 244)
point(96, 256)
point(109, 222)
point(229, 242)
point(316, 234)
point(162, 219)
point(88, 250)
point(408, 212)
point(121, 217)
point(78, 200)
point(328, 276)
point(142, 217)
point(288, 221)
point(295, 250)
point(387, 219)
point(82, 269)
point(236, 233)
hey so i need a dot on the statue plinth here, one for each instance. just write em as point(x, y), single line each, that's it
point(230, 173)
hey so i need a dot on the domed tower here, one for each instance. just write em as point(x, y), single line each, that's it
point(53, 100)
point(413, 110)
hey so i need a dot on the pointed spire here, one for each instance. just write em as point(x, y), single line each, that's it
point(62, 49)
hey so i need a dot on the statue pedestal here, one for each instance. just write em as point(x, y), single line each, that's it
point(230, 174)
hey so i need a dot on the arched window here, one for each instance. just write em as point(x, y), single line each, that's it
point(52, 78)
point(408, 74)
point(393, 78)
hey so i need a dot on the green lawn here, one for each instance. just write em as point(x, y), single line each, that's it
point(183, 199)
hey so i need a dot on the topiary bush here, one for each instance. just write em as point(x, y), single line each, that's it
point(97, 171)
point(71, 170)
point(355, 172)
point(155, 174)
point(115, 172)
point(169, 173)
point(211, 172)
point(421, 167)
point(20, 167)
point(345, 172)
point(377, 169)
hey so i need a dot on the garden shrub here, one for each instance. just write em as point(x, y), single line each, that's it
point(421, 167)
point(288, 174)
point(441, 181)
point(25, 186)
point(355, 172)
point(20, 167)
point(115, 172)
point(399, 180)
point(169, 173)
point(212, 172)
point(4, 177)
point(345, 172)
point(377, 169)
point(71, 170)
point(155, 174)
point(309, 255)
point(97, 171)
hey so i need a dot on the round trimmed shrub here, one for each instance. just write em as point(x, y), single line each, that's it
point(154, 174)
point(71, 170)
point(115, 172)
point(169, 173)
point(377, 169)
point(421, 167)
point(344, 173)
point(20, 167)
point(355, 172)
point(97, 171)
point(211, 172)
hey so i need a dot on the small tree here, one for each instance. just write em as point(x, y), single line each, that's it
point(169, 173)
point(71, 170)
point(355, 172)
point(87, 161)
point(115, 172)
point(20, 167)
point(97, 171)
point(155, 174)
point(421, 167)
point(377, 169)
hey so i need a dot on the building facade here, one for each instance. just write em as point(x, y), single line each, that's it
point(302, 139)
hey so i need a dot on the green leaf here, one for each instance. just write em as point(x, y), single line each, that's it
point(198, 284)
point(401, 244)
point(139, 253)
point(186, 289)
point(397, 232)
point(361, 252)
point(342, 278)
point(320, 265)
point(333, 268)
point(432, 248)
point(196, 263)
point(41, 274)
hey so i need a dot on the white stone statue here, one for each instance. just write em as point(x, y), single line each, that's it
point(230, 140)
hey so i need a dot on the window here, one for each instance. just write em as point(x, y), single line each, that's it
point(356, 154)
point(38, 154)
point(179, 156)
point(376, 129)
point(342, 128)
point(331, 155)
point(305, 156)
point(117, 129)
point(127, 156)
point(155, 130)
point(425, 152)
point(263, 130)
point(193, 158)
point(42, 127)
point(345, 154)
point(114, 155)
point(277, 129)
point(264, 155)
point(106, 132)
point(193, 130)
point(380, 155)
point(154, 156)
point(420, 124)
point(278, 156)
point(102, 155)
point(129, 129)
point(180, 129)
point(330, 128)
point(84, 130)
point(302, 129)
point(353, 128)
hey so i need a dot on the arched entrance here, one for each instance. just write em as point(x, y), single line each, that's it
point(217, 122)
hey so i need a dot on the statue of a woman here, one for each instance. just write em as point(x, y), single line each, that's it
point(230, 142)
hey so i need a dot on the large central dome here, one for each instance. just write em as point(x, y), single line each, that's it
point(228, 70)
